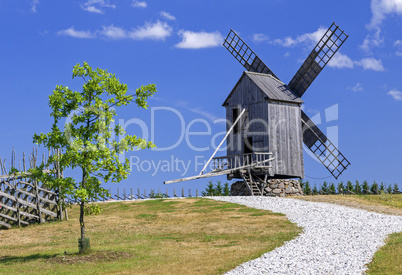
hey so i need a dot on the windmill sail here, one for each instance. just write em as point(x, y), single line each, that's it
point(239, 49)
point(322, 53)
point(323, 148)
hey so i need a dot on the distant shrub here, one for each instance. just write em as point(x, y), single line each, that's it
point(315, 190)
point(374, 188)
point(216, 190)
point(332, 189)
point(395, 190)
point(366, 188)
point(341, 188)
point(158, 195)
point(307, 188)
point(358, 189)
point(325, 188)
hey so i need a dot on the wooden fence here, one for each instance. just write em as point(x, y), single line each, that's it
point(140, 194)
point(23, 200)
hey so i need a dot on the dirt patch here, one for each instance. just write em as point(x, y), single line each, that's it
point(96, 256)
point(355, 202)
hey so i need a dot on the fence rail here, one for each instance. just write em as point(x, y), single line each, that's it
point(255, 159)
point(23, 200)
point(140, 194)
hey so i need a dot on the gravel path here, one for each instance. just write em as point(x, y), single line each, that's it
point(335, 240)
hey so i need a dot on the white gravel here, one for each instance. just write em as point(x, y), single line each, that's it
point(335, 240)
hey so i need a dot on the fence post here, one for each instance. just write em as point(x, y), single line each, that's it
point(38, 212)
point(17, 204)
point(167, 194)
point(182, 192)
point(196, 193)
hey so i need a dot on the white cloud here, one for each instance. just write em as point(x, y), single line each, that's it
point(198, 40)
point(397, 95)
point(260, 37)
point(370, 63)
point(155, 31)
point(340, 60)
point(357, 88)
point(95, 6)
point(34, 4)
point(372, 40)
point(92, 9)
point(77, 34)
point(139, 4)
point(310, 39)
point(167, 15)
point(398, 46)
point(113, 32)
point(380, 9)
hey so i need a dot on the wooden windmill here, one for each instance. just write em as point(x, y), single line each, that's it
point(267, 127)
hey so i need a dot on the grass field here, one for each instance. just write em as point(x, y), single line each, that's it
point(388, 260)
point(184, 236)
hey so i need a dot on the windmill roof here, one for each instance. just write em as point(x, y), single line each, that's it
point(273, 88)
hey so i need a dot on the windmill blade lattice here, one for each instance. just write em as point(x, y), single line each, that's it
point(322, 53)
point(239, 49)
point(323, 148)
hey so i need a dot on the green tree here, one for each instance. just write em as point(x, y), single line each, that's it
point(341, 188)
point(365, 187)
point(332, 189)
point(389, 189)
point(218, 189)
point(86, 142)
point(395, 190)
point(358, 189)
point(382, 188)
point(210, 190)
point(226, 190)
point(325, 188)
point(349, 186)
point(307, 188)
point(315, 190)
point(374, 188)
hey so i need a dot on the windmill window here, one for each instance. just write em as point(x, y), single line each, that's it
point(235, 115)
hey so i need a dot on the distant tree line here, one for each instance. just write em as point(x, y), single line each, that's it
point(217, 189)
point(349, 188)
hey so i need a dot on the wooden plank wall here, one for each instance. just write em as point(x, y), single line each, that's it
point(286, 139)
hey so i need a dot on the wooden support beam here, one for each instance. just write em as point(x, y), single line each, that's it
point(218, 173)
point(220, 144)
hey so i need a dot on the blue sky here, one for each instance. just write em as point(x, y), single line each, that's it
point(356, 100)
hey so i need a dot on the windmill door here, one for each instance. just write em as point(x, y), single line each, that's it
point(248, 150)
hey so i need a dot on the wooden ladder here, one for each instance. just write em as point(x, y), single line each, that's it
point(250, 183)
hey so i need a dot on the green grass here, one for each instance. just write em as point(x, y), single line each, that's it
point(388, 260)
point(184, 236)
point(393, 200)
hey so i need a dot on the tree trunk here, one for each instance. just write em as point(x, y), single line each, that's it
point(83, 243)
point(82, 223)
